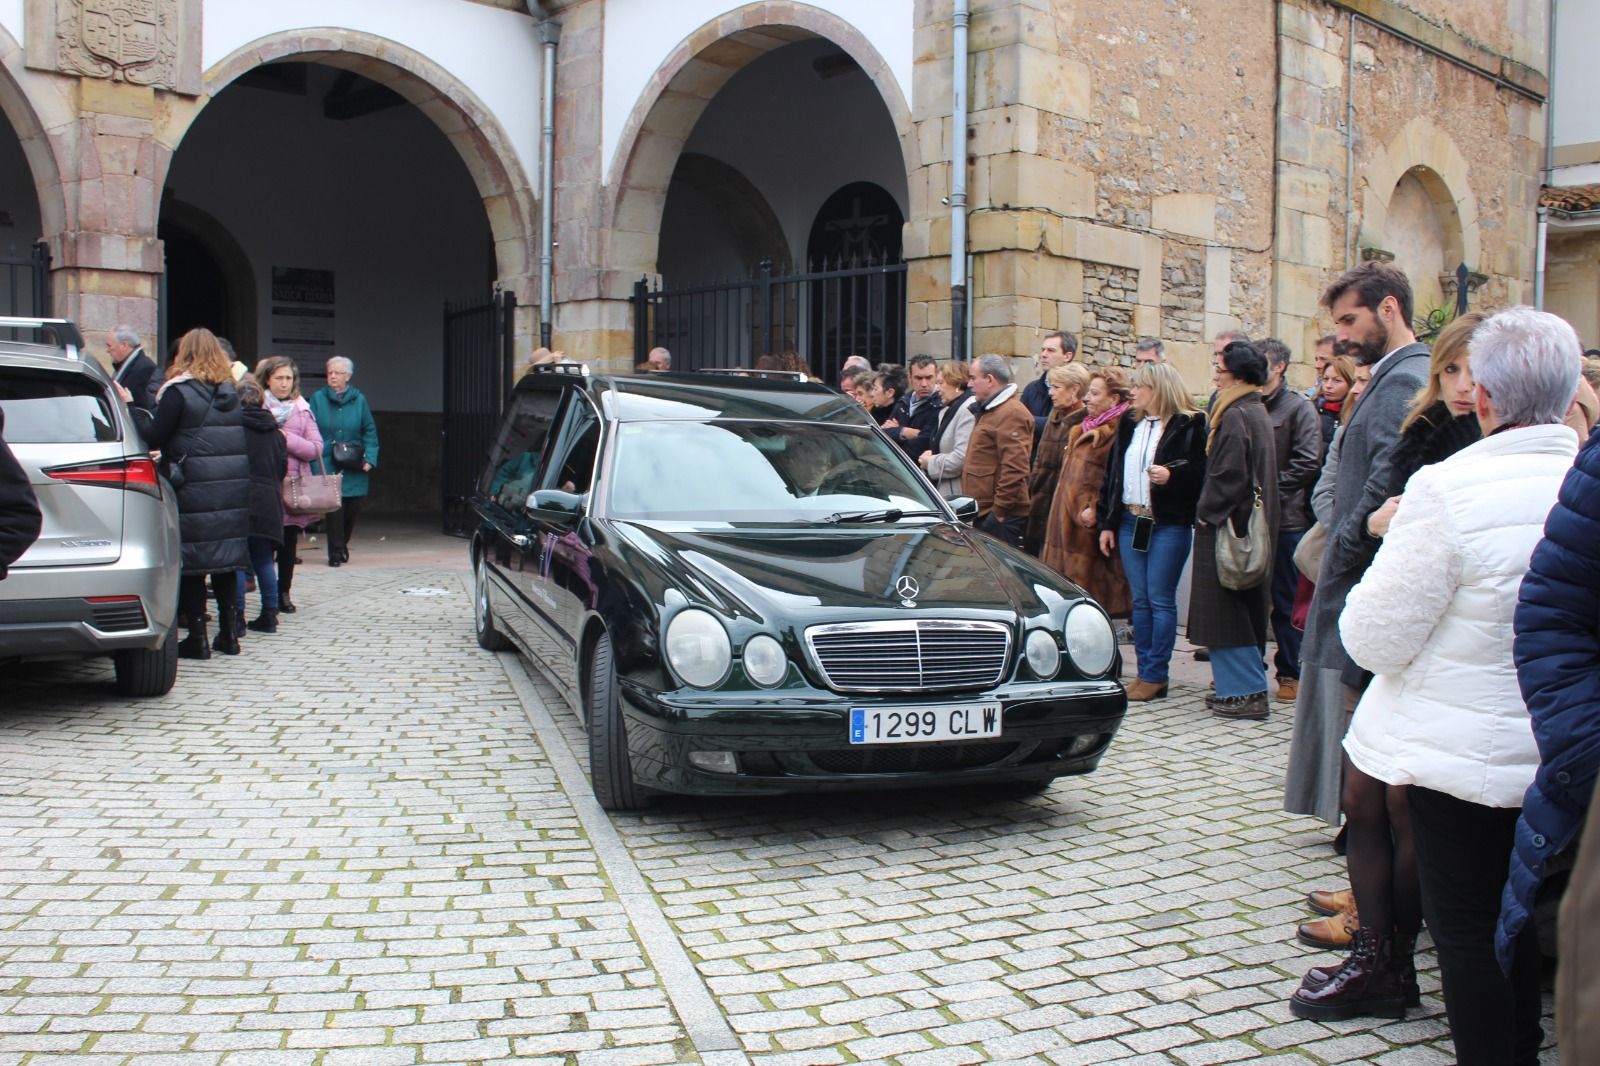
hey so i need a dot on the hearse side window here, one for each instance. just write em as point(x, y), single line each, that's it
point(514, 459)
point(570, 462)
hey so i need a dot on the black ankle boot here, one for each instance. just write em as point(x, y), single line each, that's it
point(285, 604)
point(266, 622)
point(227, 639)
point(195, 646)
point(1366, 986)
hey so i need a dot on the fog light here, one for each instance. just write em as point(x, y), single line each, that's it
point(715, 762)
point(1084, 744)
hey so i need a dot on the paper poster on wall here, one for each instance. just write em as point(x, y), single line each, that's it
point(303, 317)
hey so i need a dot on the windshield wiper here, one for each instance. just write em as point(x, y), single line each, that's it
point(892, 514)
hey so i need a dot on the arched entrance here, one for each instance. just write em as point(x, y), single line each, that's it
point(332, 203)
point(795, 104)
point(31, 205)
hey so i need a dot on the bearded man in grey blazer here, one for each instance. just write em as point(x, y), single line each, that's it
point(1371, 308)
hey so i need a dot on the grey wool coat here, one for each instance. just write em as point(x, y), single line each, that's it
point(1366, 447)
point(1244, 454)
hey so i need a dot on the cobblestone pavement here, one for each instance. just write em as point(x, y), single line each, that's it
point(365, 841)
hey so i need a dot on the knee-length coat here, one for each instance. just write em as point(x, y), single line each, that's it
point(1071, 547)
point(1243, 457)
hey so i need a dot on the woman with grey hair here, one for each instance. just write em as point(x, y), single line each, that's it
point(1432, 619)
point(350, 444)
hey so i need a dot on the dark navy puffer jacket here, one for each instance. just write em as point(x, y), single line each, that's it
point(214, 500)
point(1557, 651)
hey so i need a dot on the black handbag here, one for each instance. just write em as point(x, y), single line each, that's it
point(174, 473)
point(347, 455)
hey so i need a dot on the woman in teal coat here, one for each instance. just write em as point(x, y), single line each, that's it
point(344, 416)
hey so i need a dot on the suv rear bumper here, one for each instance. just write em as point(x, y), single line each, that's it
point(71, 627)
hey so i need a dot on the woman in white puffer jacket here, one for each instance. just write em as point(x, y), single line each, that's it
point(1432, 619)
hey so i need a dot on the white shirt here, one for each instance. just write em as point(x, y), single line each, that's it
point(1136, 462)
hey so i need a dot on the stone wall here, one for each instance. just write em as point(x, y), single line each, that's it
point(1183, 293)
point(1109, 294)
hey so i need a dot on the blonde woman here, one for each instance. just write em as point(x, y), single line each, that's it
point(1146, 516)
point(1066, 385)
point(1072, 542)
point(943, 462)
point(198, 427)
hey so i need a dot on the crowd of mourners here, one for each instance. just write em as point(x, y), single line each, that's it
point(1430, 594)
point(228, 439)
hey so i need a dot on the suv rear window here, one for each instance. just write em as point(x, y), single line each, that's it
point(49, 408)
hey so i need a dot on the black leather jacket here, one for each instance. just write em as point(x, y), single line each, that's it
point(1184, 437)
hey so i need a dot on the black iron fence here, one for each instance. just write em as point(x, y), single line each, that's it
point(825, 315)
point(478, 349)
point(25, 283)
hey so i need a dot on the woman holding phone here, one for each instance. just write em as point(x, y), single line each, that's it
point(1147, 504)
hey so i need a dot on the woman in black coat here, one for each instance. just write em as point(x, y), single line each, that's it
point(269, 463)
point(1241, 463)
point(200, 433)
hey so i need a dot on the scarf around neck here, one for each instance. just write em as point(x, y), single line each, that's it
point(281, 409)
point(1226, 398)
point(1096, 421)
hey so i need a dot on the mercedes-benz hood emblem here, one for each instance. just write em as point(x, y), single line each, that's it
point(908, 589)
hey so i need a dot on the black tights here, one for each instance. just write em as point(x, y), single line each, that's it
point(192, 597)
point(1381, 855)
point(286, 550)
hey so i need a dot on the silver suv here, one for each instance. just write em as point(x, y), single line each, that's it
point(102, 579)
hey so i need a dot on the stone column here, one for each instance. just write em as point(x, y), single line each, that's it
point(126, 63)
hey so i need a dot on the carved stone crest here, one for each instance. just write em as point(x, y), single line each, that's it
point(142, 42)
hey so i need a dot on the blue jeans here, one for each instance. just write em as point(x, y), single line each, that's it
point(1285, 579)
point(1153, 581)
point(1238, 671)
point(262, 561)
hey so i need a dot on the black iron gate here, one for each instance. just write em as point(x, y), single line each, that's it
point(25, 283)
point(478, 352)
point(825, 315)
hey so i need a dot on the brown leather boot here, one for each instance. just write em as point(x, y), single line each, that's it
point(1334, 933)
point(1366, 986)
point(1141, 691)
point(1324, 902)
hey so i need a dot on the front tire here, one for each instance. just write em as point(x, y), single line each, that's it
point(610, 771)
point(152, 672)
point(489, 638)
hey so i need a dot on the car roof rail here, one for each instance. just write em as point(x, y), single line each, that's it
point(63, 330)
point(576, 370)
point(770, 375)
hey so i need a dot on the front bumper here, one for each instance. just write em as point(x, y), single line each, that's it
point(788, 741)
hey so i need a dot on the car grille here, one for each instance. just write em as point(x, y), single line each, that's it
point(119, 617)
point(910, 656)
point(910, 758)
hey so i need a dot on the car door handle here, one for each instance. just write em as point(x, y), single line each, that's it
point(521, 540)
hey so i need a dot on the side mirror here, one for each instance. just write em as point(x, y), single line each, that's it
point(560, 508)
point(965, 507)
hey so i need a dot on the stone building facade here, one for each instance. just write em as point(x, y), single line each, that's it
point(1141, 169)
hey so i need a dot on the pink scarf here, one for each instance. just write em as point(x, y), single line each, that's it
point(1096, 421)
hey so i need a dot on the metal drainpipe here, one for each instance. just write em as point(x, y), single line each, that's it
point(549, 38)
point(1350, 143)
point(958, 185)
point(1543, 233)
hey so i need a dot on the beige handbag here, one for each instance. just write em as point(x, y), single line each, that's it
point(1243, 561)
point(1308, 554)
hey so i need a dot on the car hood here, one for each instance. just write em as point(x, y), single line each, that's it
point(783, 572)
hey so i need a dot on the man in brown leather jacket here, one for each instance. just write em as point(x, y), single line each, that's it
point(999, 452)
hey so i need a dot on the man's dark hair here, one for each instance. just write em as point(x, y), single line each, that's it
point(894, 377)
point(848, 376)
point(1069, 343)
point(1229, 336)
point(1247, 365)
point(924, 360)
point(1276, 351)
point(1326, 339)
point(1372, 283)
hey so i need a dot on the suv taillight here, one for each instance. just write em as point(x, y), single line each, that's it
point(138, 475)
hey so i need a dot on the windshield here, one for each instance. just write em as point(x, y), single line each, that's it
point(732, 471)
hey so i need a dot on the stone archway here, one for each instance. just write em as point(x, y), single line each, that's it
point(676, 96)
point(1426, 152)
point(484, 147)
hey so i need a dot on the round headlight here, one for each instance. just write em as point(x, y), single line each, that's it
point(1044, 655)
point(1090, 640)
point(764, 661)
point(698, 649)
